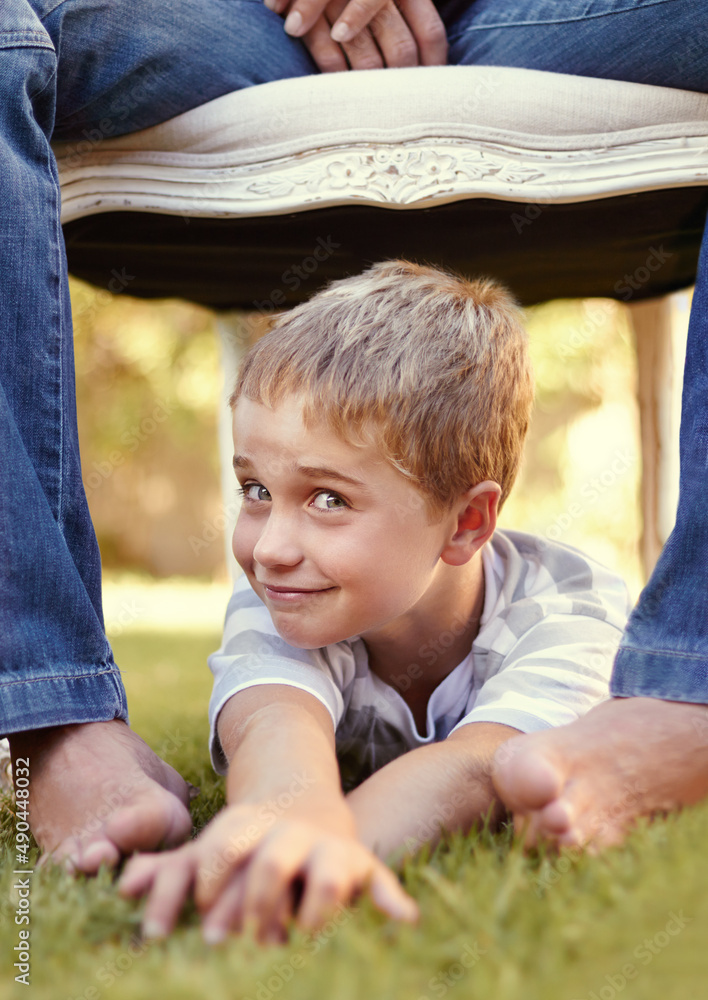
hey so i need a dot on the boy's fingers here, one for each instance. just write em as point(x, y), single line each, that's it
point(222, 851)
point(334, 875)
point(138, 874)
point(277, 932)
point(225, 914)
point(168, 894)
point(389, 896)
point(271, 873)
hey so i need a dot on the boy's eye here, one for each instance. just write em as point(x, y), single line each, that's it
point(326, 500)
point(254, 491)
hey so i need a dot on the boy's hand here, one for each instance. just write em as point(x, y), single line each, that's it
point(242, 873)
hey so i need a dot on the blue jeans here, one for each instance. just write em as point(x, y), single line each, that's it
point(70, 66)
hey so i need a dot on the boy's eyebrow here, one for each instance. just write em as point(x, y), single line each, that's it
point(323, 472)
point(311, 471)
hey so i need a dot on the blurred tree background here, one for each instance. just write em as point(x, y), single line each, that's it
point(147, 390)
point(149, 384)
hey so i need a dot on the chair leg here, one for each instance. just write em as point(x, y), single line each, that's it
point(660, 327)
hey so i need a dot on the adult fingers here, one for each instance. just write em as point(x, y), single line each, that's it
point(362, 52)
point(326, 53)
point(394, 37)
point(279, 6)
point(303, 14)
point(427, 28)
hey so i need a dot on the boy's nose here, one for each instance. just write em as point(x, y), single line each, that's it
point(277, 543)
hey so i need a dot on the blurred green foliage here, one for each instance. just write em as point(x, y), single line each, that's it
point(152, 483)
point(148, 387)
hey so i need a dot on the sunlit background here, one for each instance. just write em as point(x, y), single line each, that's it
point(149, 384)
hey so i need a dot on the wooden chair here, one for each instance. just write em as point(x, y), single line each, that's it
point(560, 186)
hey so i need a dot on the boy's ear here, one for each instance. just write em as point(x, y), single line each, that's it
point(476, 513)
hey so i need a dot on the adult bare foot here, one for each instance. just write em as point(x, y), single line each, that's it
point(97, 792)
point(586, 783)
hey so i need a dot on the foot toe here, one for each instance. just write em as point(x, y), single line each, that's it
point(526, 779)
point(556, 819)
point(160, 821)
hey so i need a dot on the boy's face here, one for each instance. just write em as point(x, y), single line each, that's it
point(333, 539)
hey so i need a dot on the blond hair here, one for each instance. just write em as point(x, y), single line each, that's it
point(436, 367)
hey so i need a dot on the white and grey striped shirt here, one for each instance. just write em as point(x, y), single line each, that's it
point(549, 631)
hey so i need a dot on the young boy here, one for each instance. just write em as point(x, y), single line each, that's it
point(385, 639)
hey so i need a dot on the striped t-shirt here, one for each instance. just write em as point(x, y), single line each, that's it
point(548, 634)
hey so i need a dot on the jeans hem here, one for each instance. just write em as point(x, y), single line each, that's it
point(53, 700)
point(25, 40)
point(667, 674)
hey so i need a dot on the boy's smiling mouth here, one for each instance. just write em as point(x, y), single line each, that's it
point(291, 593)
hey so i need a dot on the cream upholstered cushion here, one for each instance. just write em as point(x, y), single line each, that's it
point(396, 138)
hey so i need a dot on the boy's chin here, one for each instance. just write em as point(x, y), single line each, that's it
point(304, 638)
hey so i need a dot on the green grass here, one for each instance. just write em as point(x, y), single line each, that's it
point(496, 925)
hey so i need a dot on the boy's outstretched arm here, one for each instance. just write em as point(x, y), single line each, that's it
point(442, 786)
point(286, 819)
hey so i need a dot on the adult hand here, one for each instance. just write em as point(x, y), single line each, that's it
point(366, 34)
